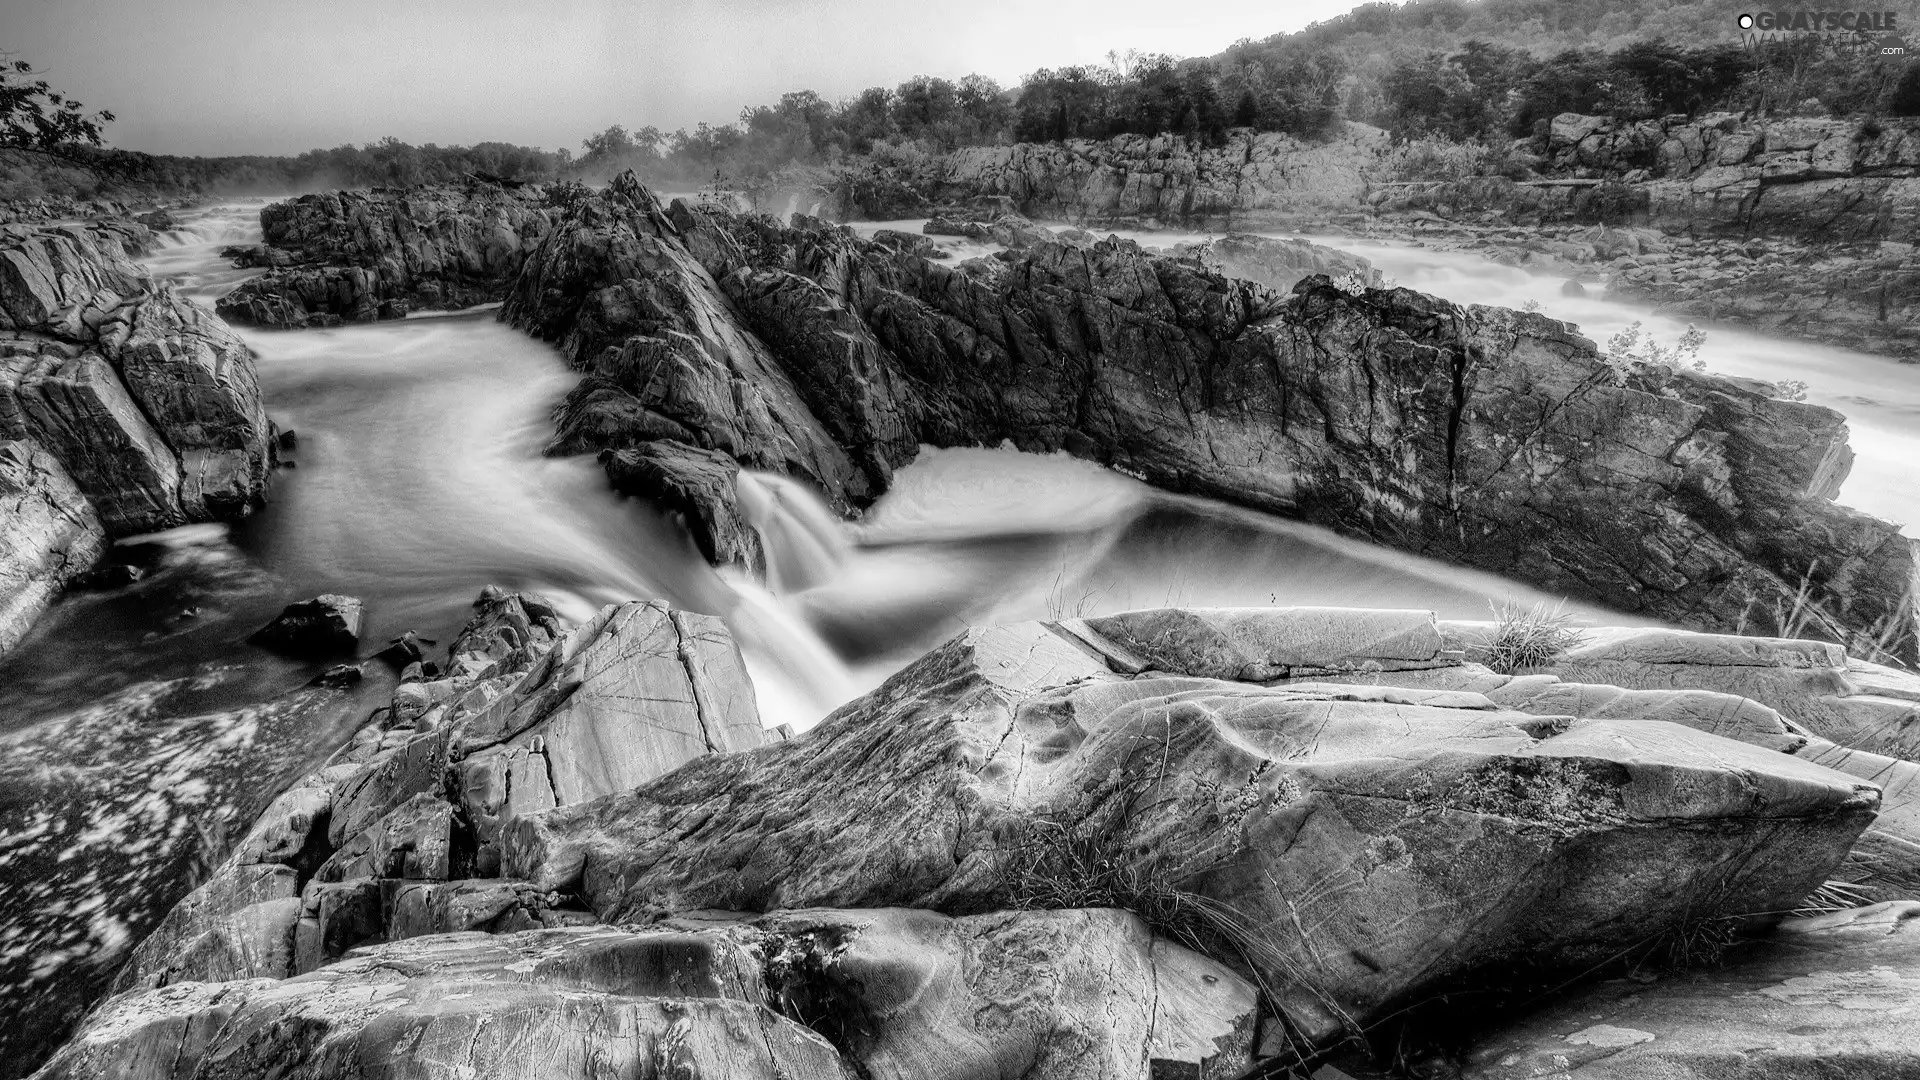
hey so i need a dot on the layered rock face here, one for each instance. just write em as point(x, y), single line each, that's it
point(348, 256)
point(1481, 436)
point(1370, 846)
point(1164, 178)
point(124, 408)
point(925, 885)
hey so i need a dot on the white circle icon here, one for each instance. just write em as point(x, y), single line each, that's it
point(1746, 22)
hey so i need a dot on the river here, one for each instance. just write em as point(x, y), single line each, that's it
point(418, 478)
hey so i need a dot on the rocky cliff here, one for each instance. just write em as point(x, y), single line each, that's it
point(1161, 178)
point(124, 408)
point(1485, 437)
point(579, 846)
point(350, 256)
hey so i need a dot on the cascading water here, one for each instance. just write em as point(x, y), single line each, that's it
point(420, 479)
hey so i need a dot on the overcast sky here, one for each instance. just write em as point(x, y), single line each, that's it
point(280, 76)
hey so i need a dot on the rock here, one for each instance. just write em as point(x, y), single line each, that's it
point(321, 626)
point(1831, 994)
point(339, 676)
point(569, 733)
point(98, 850)
point(1012, 760)
point(344, 257)
point(1490, 438)
point(894, 994)
point(1279, 264)
point(124, 408)
point(1572, 287)
point(49, 535)
point(917, 996)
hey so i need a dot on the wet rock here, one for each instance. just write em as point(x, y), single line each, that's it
point(1572, 287)
point(363, 256)
point(49, 535)
point(1828, 994)
point(339, 676)
point(1279, 264)
point(124, 408)
point(1013, 759)
point(1491, 438)
point(324, 625)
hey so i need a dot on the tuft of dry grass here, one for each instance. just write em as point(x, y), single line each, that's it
point(1530, 637)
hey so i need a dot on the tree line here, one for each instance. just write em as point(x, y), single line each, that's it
point(1484, 72)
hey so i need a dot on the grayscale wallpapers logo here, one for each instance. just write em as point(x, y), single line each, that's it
point(1865, 33)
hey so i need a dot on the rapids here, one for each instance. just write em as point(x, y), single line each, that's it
point(418, 478)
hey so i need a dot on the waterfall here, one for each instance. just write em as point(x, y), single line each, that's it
point(804, 543)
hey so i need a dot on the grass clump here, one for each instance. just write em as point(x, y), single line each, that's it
point(1530, 637)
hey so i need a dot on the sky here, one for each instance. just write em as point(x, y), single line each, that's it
point(281, 76)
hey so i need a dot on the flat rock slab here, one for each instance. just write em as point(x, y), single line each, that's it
point(1833, 996)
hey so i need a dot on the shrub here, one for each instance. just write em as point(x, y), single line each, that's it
point(1530, 637)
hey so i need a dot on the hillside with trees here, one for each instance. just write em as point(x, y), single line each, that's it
point(1462, 71)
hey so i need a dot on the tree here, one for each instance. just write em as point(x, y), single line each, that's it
point(37, 118)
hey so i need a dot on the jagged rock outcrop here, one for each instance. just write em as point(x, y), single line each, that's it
point(350, 256)
point(1491, 438)
point(397, 836)
point(1831, 995)
point(1436, 835)
point(148, 405)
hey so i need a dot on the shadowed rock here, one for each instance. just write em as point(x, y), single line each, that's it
point(346, 257)
point(321, 626)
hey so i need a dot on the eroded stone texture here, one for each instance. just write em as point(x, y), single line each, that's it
point(1832, 995)
point(1436, 838)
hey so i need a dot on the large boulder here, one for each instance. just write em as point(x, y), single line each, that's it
point(1357, 849)
point(352, 256)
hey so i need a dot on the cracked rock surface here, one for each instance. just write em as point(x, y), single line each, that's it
point(124, 408)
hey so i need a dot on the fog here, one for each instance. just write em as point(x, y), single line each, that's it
point(219, 77)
